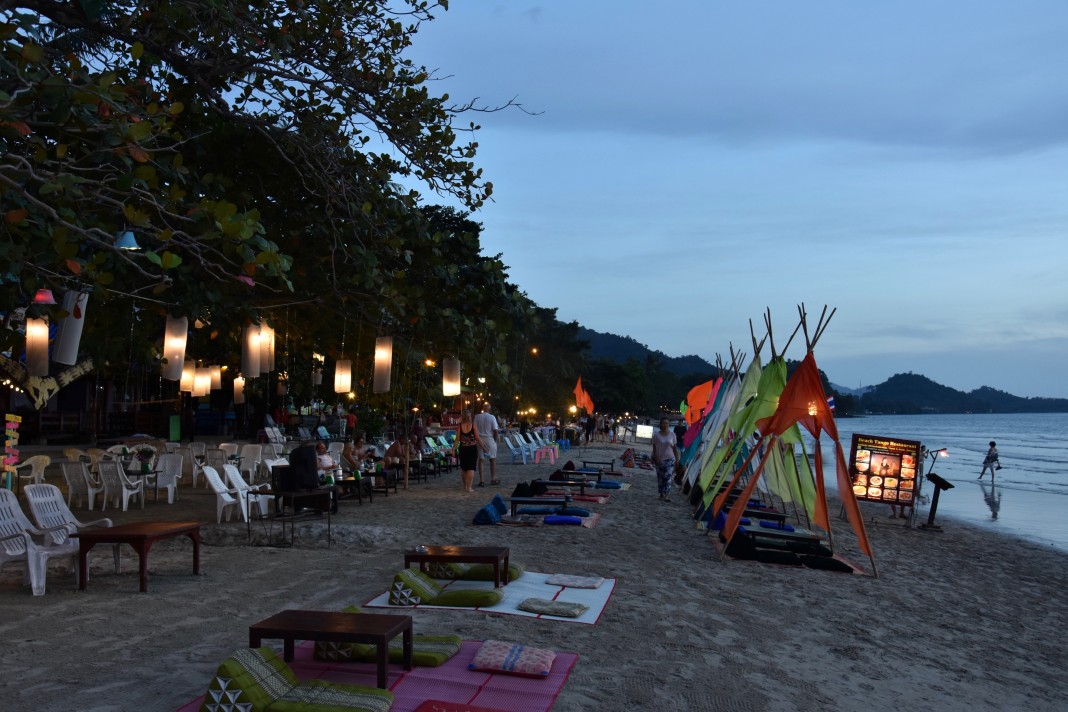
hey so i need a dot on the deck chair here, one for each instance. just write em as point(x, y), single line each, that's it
point(518, 453)
point(35, 469)
point(80, 482)
point(118, 486)
point(215, 457)
point(53, 515)
point(230, 449)
point(241, 490)
point(170, 471)
point(249, 464)
point(225, 497)
point(17, 544)
point(304, 433)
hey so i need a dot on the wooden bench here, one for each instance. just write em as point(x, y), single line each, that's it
point(544, 501)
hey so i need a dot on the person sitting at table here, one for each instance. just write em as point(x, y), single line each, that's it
point(324, 460)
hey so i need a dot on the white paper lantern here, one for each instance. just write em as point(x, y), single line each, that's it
point(250, 351)
point(201, 382)
point(450, 377)
point(69, 337)
point(383, 363)
point(216, 377)
point(343, 376)
point(266, 348)
point(37, 347)
point(189, 372)
point(239, 390)
point(174, 339)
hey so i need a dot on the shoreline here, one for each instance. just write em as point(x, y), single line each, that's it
point(957, 620)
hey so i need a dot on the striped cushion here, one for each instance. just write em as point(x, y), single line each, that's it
point(513, 659)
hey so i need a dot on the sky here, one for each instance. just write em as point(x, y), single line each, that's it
point(683, 167)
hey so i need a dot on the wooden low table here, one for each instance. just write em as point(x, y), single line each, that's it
point(581, 484)
point(337, 627)
point(576, 474)
point(141, 536)
point(495, 555)
point(546, 501)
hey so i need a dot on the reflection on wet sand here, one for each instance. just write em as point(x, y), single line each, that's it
point(992, 497)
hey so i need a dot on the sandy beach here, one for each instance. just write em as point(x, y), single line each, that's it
point(958, 620)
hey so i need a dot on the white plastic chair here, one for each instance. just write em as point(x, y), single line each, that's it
point(53, 515)
point(17, 544)
point(170, 471)
point(229, 448)
point(250, 460)
point(518, 453)
point(240, 487)
point(118, 486)
point(215, 457)
point(80, 482)
point(36, 465)
point(225, 498)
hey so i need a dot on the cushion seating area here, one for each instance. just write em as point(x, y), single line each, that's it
point(413, 587)
point(473, 572)
point(427, 650)
point(256, 680)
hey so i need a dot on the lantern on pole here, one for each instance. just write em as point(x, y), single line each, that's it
point(65, 350)
point(37, 347)
point(450, 377)
point(342, 376)
point(266, 348)
point(189, 371)
point(250, 351)
point(383, 363)
point(174, 339)
point(239, 390)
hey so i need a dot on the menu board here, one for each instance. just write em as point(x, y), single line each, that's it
point(885, 469)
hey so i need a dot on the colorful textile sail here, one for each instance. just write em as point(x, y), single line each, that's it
point(697, 401)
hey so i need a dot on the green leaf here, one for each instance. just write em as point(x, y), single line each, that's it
point(154, 258)
point(170, 260)
point(137, 50)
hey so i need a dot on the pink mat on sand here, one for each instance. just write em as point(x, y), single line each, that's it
point(451, 682)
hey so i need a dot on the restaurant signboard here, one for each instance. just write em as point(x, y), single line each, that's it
point(884, 469)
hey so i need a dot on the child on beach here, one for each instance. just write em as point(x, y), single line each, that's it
point(990, 461)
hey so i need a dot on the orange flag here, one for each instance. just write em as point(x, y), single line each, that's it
point(580, 394)
point(588, 400)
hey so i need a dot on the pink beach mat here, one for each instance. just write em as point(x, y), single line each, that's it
point(450, 683)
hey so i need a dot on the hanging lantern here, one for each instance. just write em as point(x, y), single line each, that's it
point(317, 376)
point(189, 371)
point(37, 347)
point(450, 377)
point(250, 351)
point(216, 377)
point(266, 348)
point(65, 349)
point(44, 296)
point(174, 337)
point(383, 363)
point(343, 376)
point(201, 382)
point(239, 390)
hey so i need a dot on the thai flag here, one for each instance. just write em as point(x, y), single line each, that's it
point(830, 403)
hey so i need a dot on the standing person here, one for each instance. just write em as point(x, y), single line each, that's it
point(665, 455)
point(486, 425)
point(591, 424)
point(466, 450)
point(990, 461)
point(350, 420)
point(680, 431)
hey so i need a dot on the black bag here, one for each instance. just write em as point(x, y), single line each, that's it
point(537, 488)
point(522, 490)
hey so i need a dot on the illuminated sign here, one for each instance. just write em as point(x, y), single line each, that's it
point(645, 432)
point(884, 469)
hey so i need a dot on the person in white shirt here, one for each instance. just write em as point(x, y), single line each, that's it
point(486, 424)
point(665, 455)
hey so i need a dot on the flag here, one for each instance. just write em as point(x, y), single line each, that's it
point(582, 398)
point(830, 403)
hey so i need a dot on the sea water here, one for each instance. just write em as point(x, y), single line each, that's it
point(1029, 495)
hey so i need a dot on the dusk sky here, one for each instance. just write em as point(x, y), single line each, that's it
point(694, 162)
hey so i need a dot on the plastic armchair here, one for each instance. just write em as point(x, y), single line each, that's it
point(225, 499)
point(230, 449)
point(36, 469)
point(242, 489)
point(52, 515)
point(518, 453)
point(215, 457)
point(17, 543)
point(170, 471)
point(80, 483)
point(190, 466)
point(73, 454)
point(251, 455)
point(118, 487)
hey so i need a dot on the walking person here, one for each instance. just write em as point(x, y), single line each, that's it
point(665, 455)
point(990, 461)
point(486, 426)
point(466, 449)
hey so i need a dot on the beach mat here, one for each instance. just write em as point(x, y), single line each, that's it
point(530, 585)
point(451, 683)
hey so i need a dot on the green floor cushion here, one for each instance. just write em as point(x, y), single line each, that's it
point(251, 676)
point(513, 659)
point(411, 587)
point(468, 597)
point(256, 679)
point(322, 696)
point(484, 572)
point(427, 650)
point(544, 606)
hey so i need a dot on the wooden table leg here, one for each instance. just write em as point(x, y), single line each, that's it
point(195, 537)
point(83, 564)
point(408, 648)
point(383, 663)
point(287, 649)
point(142, 548)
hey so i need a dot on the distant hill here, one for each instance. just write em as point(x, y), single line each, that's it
point(913, 393)
point(622, 348)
